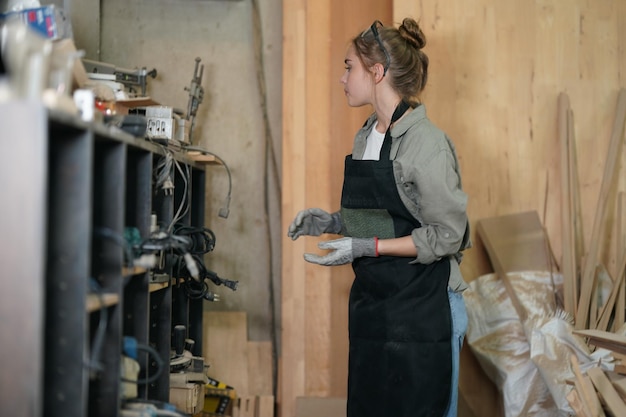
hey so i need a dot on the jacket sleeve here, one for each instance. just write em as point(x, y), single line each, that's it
point(442, 207)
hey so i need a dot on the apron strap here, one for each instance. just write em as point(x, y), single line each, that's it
point(385, 152)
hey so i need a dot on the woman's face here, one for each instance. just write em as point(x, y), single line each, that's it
point(357, 80)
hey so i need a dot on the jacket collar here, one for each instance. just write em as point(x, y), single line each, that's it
point(414, 116)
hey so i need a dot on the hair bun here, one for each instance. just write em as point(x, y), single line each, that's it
point(410, 30)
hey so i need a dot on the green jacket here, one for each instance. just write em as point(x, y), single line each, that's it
point(428, 177)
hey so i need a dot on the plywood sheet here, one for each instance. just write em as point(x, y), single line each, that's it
point(225, 347)
point(265, 406)
point(260, 368)
point(516, 242)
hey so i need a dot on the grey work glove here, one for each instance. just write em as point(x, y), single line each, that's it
point(314, 222)
point(344, 251)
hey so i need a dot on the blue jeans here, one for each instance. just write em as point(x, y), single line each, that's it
point(459, 327)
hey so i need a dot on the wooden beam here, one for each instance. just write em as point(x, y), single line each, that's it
point(608, 307)
point(574, 400)
point(588, 397)
point(601, 338)
point(620, 306)
point(293, 292)
point(568, 262)
point(611, 169)
point(609, 395)
point(619, 383)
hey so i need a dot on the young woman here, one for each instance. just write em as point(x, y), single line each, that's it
point(404, 221)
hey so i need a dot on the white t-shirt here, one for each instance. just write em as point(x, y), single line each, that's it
point(375, 141)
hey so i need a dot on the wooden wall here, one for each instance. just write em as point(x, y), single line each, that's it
point(318, 128)
point(496, 70)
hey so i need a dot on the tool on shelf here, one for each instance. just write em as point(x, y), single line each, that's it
point(131, 78)
point(196, 95)
point(183, 365)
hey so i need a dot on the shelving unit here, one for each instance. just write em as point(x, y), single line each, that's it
point(74, 188)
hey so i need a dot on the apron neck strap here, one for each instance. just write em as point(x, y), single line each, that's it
point(385, 152)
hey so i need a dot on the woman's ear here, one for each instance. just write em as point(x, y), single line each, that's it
point(378, 71)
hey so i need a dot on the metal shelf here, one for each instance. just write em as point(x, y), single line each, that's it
point(70, 181)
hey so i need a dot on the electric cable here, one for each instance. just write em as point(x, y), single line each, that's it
point(197, 290)
point(160, 365)
point(184, 203)
point(163, 172)
point(180, 267)
point(202, 238)
point(224, 211)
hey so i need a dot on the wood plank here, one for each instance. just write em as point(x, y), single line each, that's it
point(265, 406)
point(579, 238)
point(319, 183)
point(515, 243)
point(592, 315)
point(608, 394)
point(225, 347)
point(620, 307)
point(619, 383)
point(518, 240)
point(260, 368)
point(611, 169)
point(568, 262)
point(574, 400)
point(600, 338)
point(588, 398)
point(292, 367)
point(246, 406)
point(203, 158)
point(96, 302)
point(609, 306)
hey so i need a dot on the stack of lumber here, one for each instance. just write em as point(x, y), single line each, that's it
point(597, 391)
point(518, 242)
point(237, 362)
point(583, 268)
point(585, 272)
point(594, 291)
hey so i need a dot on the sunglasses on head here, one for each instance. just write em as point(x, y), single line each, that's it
point(374, 29)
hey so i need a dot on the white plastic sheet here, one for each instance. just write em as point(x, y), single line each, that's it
point(529, 362)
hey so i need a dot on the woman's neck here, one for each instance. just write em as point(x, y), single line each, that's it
point(384, 112)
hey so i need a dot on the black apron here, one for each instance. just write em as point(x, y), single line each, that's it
point(400, 361)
